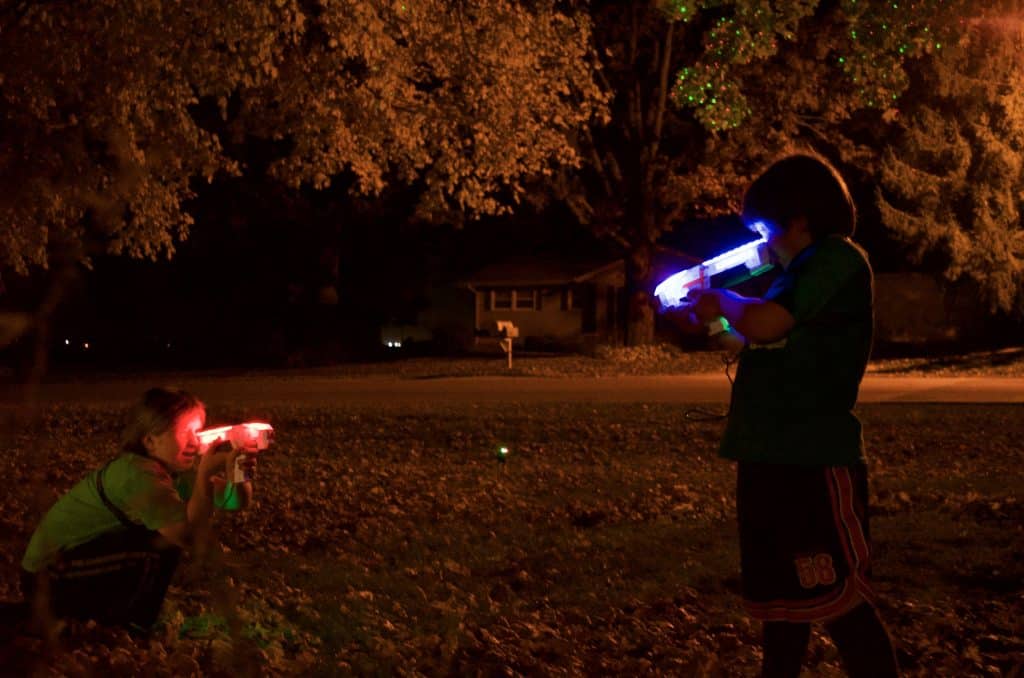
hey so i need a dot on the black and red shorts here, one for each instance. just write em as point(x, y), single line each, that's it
point(804, 548)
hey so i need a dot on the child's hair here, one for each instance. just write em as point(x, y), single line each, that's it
point(154, 414)
point(802, 185)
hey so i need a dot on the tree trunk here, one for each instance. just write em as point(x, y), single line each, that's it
point(63, 279)
point(640, 320)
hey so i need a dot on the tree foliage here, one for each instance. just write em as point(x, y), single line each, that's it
point(104, 108)
point(953, 180)
point(704, 93)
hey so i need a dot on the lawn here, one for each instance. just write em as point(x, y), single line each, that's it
point(394, 540)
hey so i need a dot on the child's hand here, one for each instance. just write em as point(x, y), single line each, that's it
point(218, 458)
point(248, 465)
point(704, 304)
point(684, 318)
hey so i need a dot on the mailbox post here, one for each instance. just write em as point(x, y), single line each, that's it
point(507, 331)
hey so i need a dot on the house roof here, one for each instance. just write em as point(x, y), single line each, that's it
point(541, 270)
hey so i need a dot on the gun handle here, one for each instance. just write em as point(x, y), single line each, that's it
point(241, 474)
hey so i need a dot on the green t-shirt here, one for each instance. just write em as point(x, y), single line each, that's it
point(792, 401)
point(140, 486)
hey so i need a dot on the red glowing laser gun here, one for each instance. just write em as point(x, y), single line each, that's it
point(251, 437)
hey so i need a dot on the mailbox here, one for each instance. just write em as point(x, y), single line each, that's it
point(507, 331)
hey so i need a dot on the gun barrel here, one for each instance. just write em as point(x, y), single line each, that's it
point(671, 291)
point(212, 435)
point(255, 435)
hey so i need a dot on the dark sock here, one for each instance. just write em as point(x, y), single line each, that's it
point(785, 644)
point(864, 644)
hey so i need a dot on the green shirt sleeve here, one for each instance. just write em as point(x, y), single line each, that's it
point(824, 275)
point(145, 491)
point(228, 500)
point(140, 487)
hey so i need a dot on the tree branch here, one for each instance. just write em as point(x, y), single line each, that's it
point(659, 116)
point(613, 167)
point(634, 35)
point(595, 160)
point(666, 58)
point(635, 99)
point(820, 135)
point(636, 111)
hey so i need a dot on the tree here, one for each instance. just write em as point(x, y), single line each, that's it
point(111, 110)
point(953, 178)
point(702, 93)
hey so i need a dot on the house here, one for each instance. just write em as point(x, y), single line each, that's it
point(554, 302)
point(921, 309)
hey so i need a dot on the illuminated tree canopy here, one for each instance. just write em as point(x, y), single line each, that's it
point(953, 182)
point(102, 134)
point(705, 92)
point(112, 111)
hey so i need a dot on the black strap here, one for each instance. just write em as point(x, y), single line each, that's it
point(118, 513)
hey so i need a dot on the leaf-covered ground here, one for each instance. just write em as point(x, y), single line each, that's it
point(394, 541)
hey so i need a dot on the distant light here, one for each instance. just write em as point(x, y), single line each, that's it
point(168, 344)
point(85, 345)
point(67, 342)
point(502, 451)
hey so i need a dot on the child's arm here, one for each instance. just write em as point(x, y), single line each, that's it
point(200, 505)
point(759, 320)
point(730, 341)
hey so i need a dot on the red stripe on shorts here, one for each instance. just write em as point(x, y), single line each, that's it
point(826, 607)
point(855, 547)
point(851, 531)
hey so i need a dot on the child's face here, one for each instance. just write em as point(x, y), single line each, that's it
point(770, 232)
point(178, 446)
point(784, 242)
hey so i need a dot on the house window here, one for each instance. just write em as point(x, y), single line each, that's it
point(572, 299)
point(501, 299)
point(526, 299)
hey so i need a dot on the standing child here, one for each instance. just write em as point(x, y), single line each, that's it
point(801, 490)
point(108, 548)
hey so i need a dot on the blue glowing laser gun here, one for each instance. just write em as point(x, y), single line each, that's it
point(672, 291)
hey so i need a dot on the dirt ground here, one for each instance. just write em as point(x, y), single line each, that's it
point(392, 540)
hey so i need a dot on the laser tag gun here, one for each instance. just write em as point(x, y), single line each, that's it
point(753, 256)
point(251, 437)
